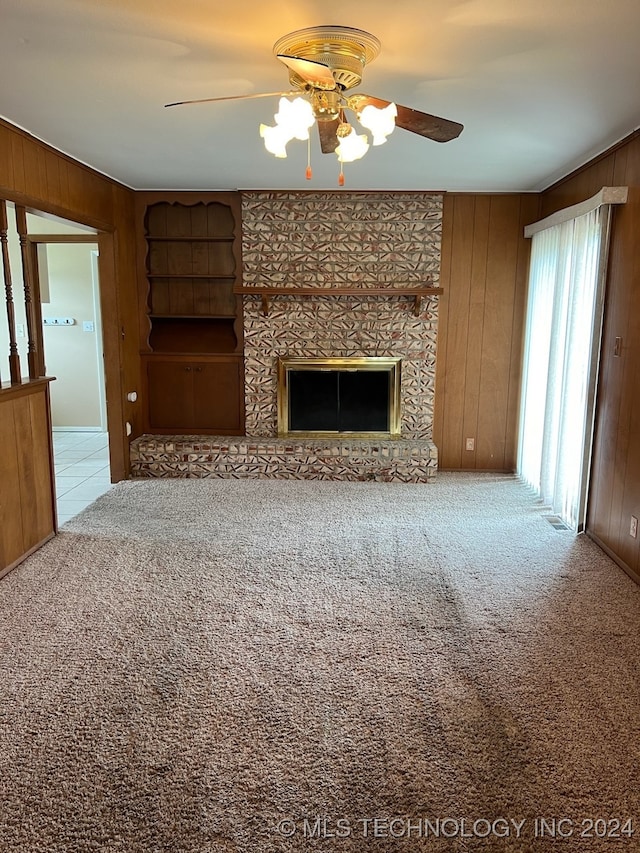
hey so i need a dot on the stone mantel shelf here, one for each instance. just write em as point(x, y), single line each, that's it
point(267, 291)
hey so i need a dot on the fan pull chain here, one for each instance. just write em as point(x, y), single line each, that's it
point(309, 173)
point(341, 174)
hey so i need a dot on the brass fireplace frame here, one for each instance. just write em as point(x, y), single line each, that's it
point(392, 365)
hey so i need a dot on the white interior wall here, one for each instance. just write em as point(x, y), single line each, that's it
point(71, 353)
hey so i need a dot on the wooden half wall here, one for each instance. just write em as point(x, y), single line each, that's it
point(480, 327)
point(614, 495)
point(27, 493)
point(43, 180)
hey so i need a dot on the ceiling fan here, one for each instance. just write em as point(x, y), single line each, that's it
point(324, 63)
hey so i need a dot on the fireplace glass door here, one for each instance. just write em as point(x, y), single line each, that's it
point(357, 396)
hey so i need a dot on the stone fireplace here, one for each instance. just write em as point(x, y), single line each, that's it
point(323, 240)
point(326, 276)
point(308, 245)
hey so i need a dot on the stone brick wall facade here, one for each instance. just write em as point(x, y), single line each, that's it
point(326, 240)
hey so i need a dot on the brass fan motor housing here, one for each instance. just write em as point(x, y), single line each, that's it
point(326, 105)
point(344, 50)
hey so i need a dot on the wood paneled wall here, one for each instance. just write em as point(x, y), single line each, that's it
point(480, 327)
point(615, 482)
point(36, 176)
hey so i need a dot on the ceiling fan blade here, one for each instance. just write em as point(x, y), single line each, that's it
point(328, 131)
point(424, 124)
point(433, 127)
point(232, 98)
point(315, 73)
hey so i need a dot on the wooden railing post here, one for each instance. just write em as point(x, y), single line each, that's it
point(14, 358)
point(32, 349)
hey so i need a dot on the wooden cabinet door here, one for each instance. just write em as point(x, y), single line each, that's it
point(216, 400)
point(195, 396)
point(170, 386)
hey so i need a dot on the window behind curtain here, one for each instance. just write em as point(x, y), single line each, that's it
point(562, 343)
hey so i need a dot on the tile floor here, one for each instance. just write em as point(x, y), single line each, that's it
point(82, 470)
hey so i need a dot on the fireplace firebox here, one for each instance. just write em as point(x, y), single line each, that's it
point(346, 396)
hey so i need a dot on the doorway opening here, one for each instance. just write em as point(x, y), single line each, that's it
point(65, 263)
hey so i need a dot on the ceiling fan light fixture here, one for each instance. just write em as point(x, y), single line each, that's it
point(381, 122)
point(325, 63)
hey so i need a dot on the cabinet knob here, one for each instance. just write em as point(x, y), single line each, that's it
point(198, 370)
point(187, 369)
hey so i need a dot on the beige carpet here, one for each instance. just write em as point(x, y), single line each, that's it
point(272, 666)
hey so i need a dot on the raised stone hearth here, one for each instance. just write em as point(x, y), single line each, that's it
point(404, 461)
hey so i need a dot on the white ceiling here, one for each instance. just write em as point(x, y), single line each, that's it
point(540, 85)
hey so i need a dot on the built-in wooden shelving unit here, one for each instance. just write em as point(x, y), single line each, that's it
point(190, 266)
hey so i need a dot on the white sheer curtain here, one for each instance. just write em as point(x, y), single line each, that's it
point(562, 340)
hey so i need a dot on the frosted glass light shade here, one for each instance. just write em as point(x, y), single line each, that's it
point(381, 122)
point(352, 147)
point(275, 139)
point(293, 120)
point(295, 117)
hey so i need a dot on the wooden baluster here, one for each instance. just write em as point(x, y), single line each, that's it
point(14, 357)
point(32, 349)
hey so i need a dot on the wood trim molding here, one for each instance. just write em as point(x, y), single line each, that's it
point(112, 337)
point(607, 195)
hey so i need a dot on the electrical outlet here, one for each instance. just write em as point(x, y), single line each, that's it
point(633, 528)
point(470, 444)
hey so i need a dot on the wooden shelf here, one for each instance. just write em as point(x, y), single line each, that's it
point(190, 356)
point(193, 334)
point(192, 316)
point(418, 293)
point(230, 277)
point(166, 239)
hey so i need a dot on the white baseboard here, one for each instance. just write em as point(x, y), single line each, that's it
point(78, 429)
